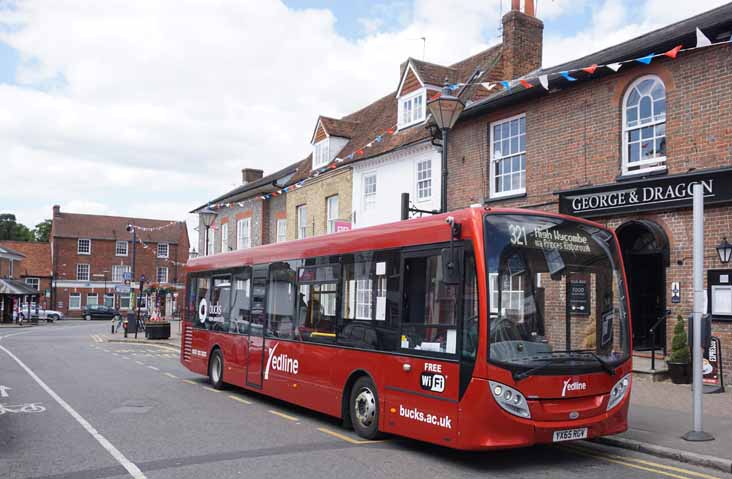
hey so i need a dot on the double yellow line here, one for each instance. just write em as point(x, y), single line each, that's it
point(632, 462)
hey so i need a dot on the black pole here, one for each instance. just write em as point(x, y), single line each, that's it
point(205, 246)
point(134, 251)
point(405, 207)
point(443, 186)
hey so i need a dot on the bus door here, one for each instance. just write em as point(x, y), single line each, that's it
point(255, 349)
point(422, 385)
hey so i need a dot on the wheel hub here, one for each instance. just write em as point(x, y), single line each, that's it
point(216, 369)
point(365, 407)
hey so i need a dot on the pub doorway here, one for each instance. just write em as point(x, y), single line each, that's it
point(645, 251)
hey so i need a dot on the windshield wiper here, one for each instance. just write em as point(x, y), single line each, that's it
point(605, 365)
point(518, 376)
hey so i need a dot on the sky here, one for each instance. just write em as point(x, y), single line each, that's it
point(149, 108)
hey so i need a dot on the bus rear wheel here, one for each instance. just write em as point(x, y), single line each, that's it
point(216, 370)
point(365, 408)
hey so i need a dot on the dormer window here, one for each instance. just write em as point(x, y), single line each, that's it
point(412, 108)
point(321, 153)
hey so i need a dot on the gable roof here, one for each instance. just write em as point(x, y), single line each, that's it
point(36, 257)
point(716, 24)
point(74, 225)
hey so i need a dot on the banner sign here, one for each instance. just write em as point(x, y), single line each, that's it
point(651, 194)
point(712, 365)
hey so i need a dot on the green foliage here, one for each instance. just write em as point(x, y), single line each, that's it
point(679, 344)
point(42, 231)
point(10, 229)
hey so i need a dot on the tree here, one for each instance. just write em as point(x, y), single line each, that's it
point(10, 229)
point(42, 231)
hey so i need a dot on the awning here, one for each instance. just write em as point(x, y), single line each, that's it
point(12, 287)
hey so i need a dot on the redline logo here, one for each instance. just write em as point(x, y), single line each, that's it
point(417, 415)
point(281, 362)
point(573, 386)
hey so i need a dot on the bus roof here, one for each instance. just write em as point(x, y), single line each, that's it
point(425, 230)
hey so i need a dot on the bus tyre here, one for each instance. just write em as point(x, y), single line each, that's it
point(365, 408)
point(216, 370)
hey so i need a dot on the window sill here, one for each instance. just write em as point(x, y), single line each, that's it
point(638, 176)
point(496, 199)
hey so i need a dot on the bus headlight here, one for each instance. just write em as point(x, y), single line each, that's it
point(510, 399)
point(618, 392)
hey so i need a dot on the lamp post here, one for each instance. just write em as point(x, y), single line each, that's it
point(724, 250)
point(445, 109)
point(208, 216)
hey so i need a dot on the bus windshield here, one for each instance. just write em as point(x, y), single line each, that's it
point(556, 296)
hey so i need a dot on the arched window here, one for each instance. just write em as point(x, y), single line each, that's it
point(644, 126)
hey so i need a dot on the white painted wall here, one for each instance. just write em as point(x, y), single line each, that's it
point(396, 173)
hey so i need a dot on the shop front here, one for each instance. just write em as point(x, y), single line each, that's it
point(652, 218)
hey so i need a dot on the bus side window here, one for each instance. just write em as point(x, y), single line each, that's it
point(241, 302)
point(201, 292)
point(281, 297)
point(430, 307)
point(316, 303)
point(219, 307)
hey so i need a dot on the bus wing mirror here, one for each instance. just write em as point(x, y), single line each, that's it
point(452, 265)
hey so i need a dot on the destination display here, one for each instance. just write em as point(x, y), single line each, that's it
point(657, 193)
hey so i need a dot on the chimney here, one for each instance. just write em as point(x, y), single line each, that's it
point(522, 40)
point(249, 174)
point(56, 210)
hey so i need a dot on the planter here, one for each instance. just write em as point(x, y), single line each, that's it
point(680, 372)
point(157, 330)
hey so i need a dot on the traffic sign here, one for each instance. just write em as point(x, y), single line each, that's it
point(127, 275)
point(122, 288)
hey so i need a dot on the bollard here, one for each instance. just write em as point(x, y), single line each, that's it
point(124, 326)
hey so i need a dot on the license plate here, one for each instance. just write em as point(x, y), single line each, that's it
point(570, 434)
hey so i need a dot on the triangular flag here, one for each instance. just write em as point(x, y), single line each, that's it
point(390, 131)
point(544, 80)
point(590, 69)
point(378, 139)
point(614, 66)
point(674, 51)
point(701, 39)
point(454, 86)
point(359, 152)
point(488, 86)
point(526, 84)
point(506, 84)
point(566, 75)
point(435, 96)
point(646, 59)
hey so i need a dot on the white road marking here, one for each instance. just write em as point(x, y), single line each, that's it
point(154, 368)
point(4, 391)
point(134, 471)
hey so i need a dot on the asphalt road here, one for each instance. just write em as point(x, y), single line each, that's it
point(80, 408)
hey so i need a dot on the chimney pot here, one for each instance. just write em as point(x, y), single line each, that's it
point(516, 5)
point(250, 174)
point(56, 210)
point(529, 7)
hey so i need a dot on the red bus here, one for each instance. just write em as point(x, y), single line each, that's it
point(477, 329)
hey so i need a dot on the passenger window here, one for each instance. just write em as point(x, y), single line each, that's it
point(199, 292)
point(317, 303)
point(281, 300)
point(219, 307)
point(430, 307)
point(470, 310)
point(370, 301)
point(241, 303)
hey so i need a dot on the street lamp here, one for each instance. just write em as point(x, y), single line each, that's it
point(445, 109)
point(208, 216)
point(724, 250)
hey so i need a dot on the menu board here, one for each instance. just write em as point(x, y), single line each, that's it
point(579, 296)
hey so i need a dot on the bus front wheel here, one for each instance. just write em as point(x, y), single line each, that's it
point(365, 408)
point(216, 370)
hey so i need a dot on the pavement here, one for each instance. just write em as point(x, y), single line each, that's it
point(173, 341)
point(661, 412)
point(82, 407)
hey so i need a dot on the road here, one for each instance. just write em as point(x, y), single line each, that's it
point(81, 408)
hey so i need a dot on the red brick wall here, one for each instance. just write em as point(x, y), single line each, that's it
point(102, 258)
point(573, 138)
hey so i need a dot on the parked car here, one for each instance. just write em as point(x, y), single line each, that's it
point(99, 311)
point(48, 314)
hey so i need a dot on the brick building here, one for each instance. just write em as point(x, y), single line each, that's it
point(621, 145)
point(33, 268)
point(90, 255)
